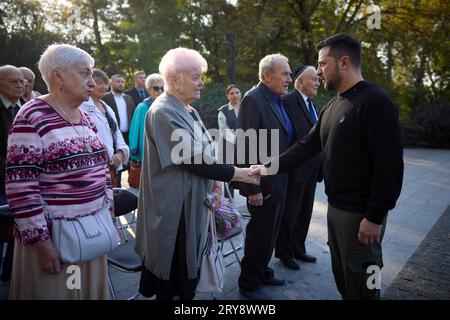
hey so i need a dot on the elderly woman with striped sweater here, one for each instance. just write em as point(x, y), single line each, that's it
point(56, 160)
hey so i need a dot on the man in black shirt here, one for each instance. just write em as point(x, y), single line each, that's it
point(359, 134)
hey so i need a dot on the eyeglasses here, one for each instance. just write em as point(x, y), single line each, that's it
point(18, 81)
point(158, 88)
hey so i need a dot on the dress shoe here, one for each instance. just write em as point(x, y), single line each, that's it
point(254, 294)
point(306, 257)
point(291, 264)
point(274, 282)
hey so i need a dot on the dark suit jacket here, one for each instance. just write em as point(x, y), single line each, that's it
point(257, 112)
point(133, 92)
point(5, 123)
point(131, 106)
point(298, 111)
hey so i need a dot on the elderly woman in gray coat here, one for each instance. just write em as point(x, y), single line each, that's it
point(177, 173)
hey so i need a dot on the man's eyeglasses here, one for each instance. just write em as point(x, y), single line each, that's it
point(158, 89)
point(18, 81)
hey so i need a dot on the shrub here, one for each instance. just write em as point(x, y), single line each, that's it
point(429, 127)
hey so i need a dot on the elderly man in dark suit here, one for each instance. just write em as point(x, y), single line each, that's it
point(12, 88)
point(301, 182)
point(122, 104)
point(262, 109)
point(138, 92)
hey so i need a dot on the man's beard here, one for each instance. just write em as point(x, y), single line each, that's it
point(334, 82)
point(118, 90)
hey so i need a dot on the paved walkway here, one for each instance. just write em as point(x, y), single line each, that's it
point(425, 196)
point(426, 275)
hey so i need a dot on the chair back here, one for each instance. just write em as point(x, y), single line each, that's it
point(125, 201)
point(6, 224)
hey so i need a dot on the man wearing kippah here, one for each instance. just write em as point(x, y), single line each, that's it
point(302, 181)
point(359, 133)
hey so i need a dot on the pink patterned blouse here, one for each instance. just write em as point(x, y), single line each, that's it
point(47, 158)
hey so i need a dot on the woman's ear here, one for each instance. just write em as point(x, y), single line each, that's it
point(57, 76)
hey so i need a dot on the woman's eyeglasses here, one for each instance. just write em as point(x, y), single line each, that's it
point(158, 88)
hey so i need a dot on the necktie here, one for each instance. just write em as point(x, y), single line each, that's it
point(311, 111)
point(13, 110)
point(142, 94)
point(286, 119)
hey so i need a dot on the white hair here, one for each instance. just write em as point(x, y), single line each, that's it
point(179, 59)
point(151, 79)
point(268, 62)
point(62, 56)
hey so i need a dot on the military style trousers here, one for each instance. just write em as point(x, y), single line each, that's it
point(355, 266)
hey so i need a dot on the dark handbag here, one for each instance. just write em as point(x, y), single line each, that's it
point(134, 174)
point(114, 176)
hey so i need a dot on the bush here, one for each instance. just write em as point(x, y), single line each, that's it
point(212, 98)
point(428, 128)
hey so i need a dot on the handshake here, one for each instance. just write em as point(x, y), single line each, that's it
point(250, 175)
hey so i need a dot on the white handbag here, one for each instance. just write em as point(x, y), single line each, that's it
point(212, 270)
point(85, 238)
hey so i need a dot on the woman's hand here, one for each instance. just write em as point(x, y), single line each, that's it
point(117, 158)
point(245, 175)
point(48, 257)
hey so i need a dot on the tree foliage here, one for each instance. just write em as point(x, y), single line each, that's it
point(407, 56)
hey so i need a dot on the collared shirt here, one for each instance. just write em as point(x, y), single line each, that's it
point(276, 100)
point(223, 126)
point(122, 110)
point(305, 98)
point(8, 103)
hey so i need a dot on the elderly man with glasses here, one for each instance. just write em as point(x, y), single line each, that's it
point(12, 86)
point(29, 76)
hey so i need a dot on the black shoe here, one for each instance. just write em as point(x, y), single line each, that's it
point(306, 257)
point(254, 294)
point(291, 264)
point(274, 282)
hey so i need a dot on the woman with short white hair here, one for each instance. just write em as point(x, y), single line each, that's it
point(172, 216)
point(57, 169)
point(155, 86)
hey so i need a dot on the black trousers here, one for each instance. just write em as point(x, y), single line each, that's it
point(179, 284)
point(296, 219)
point(261, 234)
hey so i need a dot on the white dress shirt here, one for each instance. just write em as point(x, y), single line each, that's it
point(305, 97)
point(122, 110)
point(103, 130)
point(8, 103)
point(223, 126)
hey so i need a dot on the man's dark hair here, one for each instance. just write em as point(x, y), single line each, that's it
point(342, 44)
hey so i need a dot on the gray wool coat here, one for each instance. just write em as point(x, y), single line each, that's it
point(165, 188)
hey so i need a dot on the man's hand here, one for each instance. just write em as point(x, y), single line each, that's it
point(258, 169)
point(369, 232)
point(244, 175)
point(48, 257)
point(256, 200)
